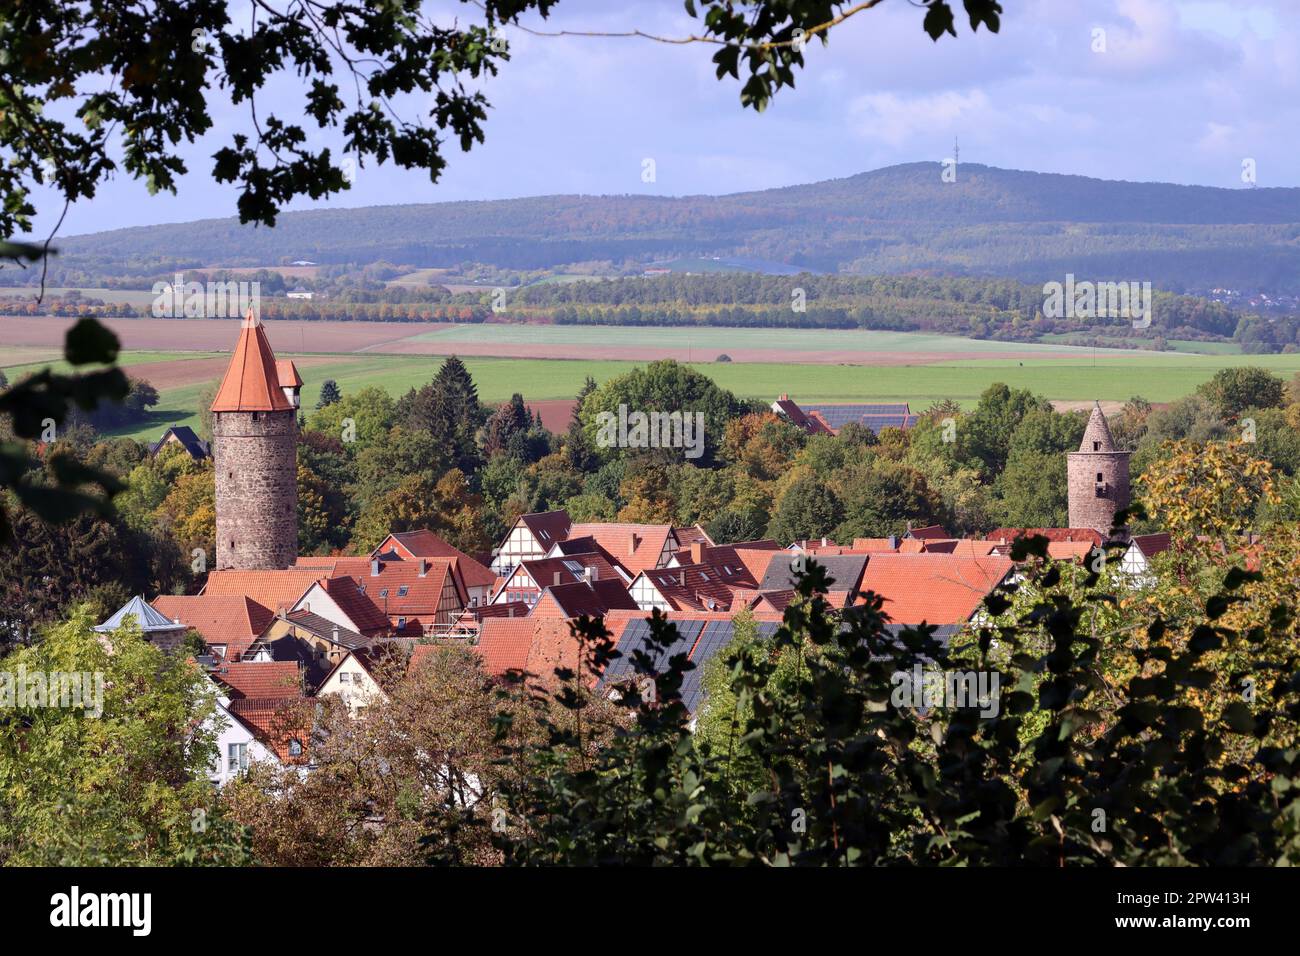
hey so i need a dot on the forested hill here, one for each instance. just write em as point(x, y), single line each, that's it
point(1031, 226)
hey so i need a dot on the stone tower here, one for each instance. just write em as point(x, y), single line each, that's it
point(255, 455)
point(1097, 476)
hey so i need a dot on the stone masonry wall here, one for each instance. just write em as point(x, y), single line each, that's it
point(255, 455)
point(1087, 510)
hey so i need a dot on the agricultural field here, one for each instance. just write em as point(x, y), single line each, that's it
point(548, 364)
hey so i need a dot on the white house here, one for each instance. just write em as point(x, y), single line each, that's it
point(237, 746)
point(352, 680)
point(1136, 561)
point(531, 538)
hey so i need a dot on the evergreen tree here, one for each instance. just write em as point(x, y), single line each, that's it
point(448, 409)
point(329, 393)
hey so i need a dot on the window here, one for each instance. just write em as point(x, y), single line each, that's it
point(1100, 477)
point(1096, 446)
point(295, 748)
point(383, 592)
point(345, 677)
point(401, 623)
point(403, 591)
point(236, 757)
point(361, 588)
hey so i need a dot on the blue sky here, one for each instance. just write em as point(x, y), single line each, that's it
point(1184, 92)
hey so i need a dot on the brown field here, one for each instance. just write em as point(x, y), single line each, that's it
point(217, 335)
point(398, 338)
point(1107, 406)
point(175, 374)
point(555, 413)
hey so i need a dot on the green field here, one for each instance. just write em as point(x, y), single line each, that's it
point(711, 341)
point(1081, 374)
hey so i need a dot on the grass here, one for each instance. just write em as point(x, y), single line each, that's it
point(540, 379)
point(711, 341)
point(1081, 374)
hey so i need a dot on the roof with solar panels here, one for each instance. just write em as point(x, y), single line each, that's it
point(829, 419)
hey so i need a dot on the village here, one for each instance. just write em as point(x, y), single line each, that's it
point(278, 629)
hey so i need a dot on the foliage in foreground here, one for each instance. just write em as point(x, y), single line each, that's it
point(845, 777)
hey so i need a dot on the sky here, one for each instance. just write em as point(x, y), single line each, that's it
point(1169, 90)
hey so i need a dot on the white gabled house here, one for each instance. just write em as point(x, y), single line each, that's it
point(237, 746)
point(1136, 560)
point(352, 681)
point(531, 538)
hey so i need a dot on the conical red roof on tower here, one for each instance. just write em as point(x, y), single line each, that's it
point(252, 383)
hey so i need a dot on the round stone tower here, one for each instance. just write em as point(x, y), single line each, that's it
point(1097, 476)
point(255, 455)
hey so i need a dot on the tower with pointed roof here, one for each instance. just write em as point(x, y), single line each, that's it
point(255, 455)
point(1097, 475)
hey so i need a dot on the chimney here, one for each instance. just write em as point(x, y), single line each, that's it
point(424, 567)
point(632, 542)
point(683, 578)
point(893, 542)
point(823, 542)
point(699, 551)
point(374, 567)
point(336, 636)
point(589, 573)
point(557, 577)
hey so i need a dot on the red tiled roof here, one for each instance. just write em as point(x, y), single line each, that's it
point(275, 722)
point(933, 588)
point(1009, 535)
point(503, 644)
point(1148, 544)
point(875, 545)
point(260, 679)
point(635, 546)
point(359, 606)
point(701, 587)
point(271, 589)
point(929, 531)
point(580, 598)
point(545, 572)
point(425, 544)
point(691, 535)
point(251, 383)
point(234, 621)
point(547, 527)
point(287, 374)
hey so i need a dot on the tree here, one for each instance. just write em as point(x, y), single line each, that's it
point(1210, 490)
point(1234, 389)
point(665, 387)
point(1032, 492)
point(827, 758)
point(880, 499)
point(120, 780)
point(448, 410)
point(808, 509)
point(329, 393)
point(986, 432)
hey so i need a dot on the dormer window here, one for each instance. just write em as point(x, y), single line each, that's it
point(295, 748)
